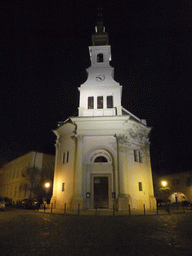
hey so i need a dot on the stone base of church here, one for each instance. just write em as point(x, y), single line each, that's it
point(123, 202)
point(77, 202)
point(152, 202)
point(53, 202)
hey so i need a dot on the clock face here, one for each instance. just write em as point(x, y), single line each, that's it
point(100, 77)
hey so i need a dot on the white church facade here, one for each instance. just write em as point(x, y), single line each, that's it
point(103, 154)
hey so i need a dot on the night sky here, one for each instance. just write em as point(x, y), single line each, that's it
point(44, 54)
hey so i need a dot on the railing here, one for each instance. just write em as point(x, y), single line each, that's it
point(97, 211)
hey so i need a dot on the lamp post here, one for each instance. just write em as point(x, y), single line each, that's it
point(46, 190)
point(165, 190)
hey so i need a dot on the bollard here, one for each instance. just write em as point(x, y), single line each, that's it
point(65, 209)
point(44, 208)
point(183, 208)
point(157, 208)
point(144, 208)
point(51, 207)
point(113, 210)
point(129, 210)
point(78, 208)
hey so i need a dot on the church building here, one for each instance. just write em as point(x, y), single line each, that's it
point(103, 154)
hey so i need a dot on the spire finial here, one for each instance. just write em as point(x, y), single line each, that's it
point(99, 28)
point(100, 37)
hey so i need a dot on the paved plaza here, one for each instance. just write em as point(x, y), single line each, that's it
point(31, 232)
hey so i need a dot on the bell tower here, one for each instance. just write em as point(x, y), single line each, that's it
point(100, 95)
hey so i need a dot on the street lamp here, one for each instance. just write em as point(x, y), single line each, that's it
point(47, 185)
point(164, 183)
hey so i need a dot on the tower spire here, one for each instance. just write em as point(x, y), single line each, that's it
point(100, 37)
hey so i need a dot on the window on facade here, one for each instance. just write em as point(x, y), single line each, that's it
point(109, 101)
point(100, 159)
point(65, 157)
point(100, 57)
point(140, 186)
point(90, 102)
point(100, 102)
point(137, 156)
point(140, 156)
point(63, 187)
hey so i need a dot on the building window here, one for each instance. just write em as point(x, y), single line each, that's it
point(100, 102)
point(140, 186)
point(100, 57)
point(90, 102)
point(63, 186)
point(109, 101)
point(65, 157)
point(135, 156)
point(138, 156)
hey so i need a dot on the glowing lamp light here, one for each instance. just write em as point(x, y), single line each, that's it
point(47, 185)
point(164, 183)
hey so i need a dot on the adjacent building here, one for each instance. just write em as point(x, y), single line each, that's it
point(24, 177)
point(103, 154)
point(176, 187)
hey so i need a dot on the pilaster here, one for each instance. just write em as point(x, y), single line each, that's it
point(78, 196)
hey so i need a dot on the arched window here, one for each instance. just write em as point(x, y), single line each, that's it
point(100, 57)
point(100, 159)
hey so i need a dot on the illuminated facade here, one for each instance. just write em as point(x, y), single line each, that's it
point(102, 155)
point(23, 176)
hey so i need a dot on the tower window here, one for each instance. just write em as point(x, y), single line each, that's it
point(109, 101)
point(90, 102)
point(140, 186)
point(100, 102)
point(137, 156)
point(100, 57)
point(65, 157)
point(63, 187)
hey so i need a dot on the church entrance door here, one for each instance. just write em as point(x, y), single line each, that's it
point(101, 194)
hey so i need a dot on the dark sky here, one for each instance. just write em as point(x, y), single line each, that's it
point(44, 54)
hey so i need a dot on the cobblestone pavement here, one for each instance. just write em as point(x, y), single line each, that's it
point(29, 232)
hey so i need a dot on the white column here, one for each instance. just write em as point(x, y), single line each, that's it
point(121, 175)
point(55, 187)
point(78, 197)
point(79, 166)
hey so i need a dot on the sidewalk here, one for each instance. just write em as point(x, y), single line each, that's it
point(109, 212)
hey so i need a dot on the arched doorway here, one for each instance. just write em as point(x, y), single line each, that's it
point(100, 179)
point(178, 197)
